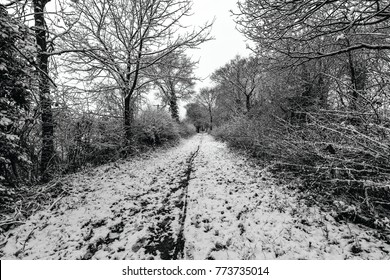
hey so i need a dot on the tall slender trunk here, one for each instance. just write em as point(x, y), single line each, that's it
point(211, 118)
point(47, 154)
point(323, 91)
point(354, 92)
point(128, 93)
point(308, 97)
point(248, 102)
point(128, 117)
point(322, 87)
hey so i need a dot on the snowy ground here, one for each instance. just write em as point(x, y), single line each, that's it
point(195, 201)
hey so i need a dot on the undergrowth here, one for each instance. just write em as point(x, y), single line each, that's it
point(88, 142)
point(340, 165)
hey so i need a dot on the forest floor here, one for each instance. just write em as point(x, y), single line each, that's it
point(198, 200)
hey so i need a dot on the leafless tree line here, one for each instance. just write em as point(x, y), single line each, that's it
point(105, 56)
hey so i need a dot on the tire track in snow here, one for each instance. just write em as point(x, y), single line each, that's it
point(237, 210)
point(110, 211)
point(162, 238)
point(180, 243)
point(230, 209)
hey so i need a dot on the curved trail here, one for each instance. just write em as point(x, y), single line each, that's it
point(194, 201)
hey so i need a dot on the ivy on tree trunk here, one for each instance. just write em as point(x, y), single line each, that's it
point(174, 108)
point(47, 153)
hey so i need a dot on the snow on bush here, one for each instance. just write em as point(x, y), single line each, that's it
point(155, 127)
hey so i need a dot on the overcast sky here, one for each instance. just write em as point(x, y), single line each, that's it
point(228, 41)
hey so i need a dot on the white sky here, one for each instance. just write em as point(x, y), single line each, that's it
point(228, 41)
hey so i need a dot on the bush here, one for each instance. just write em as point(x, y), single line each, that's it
point(334, 158)
point(238, 132)
point(105, 143)
point(86, 140)
point(93, 140)
point(250, 134)
point(15, 94)
point(156, 127)
point(186, 129)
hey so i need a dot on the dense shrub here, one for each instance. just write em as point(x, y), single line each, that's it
point(156, 127)
point(87, 140)
point(93, 140)
point(186, 129)
point(333, 157)
point(15, 93)
point(238, 132)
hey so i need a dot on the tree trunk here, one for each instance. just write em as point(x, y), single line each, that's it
point(354, 93)
point(128, 93)
point(128, 117)
point(174, 108)
point(248, 102)
point(322, 87)
point(47, 155)
point(323, 91)
point(211, 118)
point(307, 99)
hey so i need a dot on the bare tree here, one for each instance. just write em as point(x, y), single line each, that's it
point(312, 29)
point(174, 78)
point(197, 115)
point(240, 76)
point(207, 97)
point(342, 33)
point(122, 39)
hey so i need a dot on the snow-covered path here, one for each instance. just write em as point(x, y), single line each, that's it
point(195, 201)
